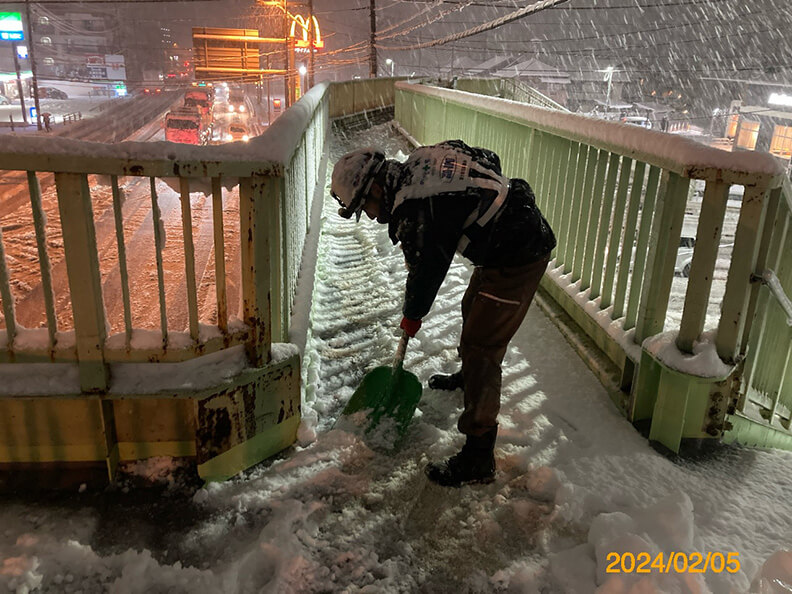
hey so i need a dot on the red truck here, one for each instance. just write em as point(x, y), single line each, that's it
point(200, 98)
point(187, 125)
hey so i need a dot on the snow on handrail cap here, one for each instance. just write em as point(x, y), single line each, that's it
point(669, 151)
point(267, 154)
point(282, 138)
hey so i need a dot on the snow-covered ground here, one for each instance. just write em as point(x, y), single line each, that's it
point(82, 102)
point(575, 481)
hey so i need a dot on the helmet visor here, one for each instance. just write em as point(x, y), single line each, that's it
point(347, 211)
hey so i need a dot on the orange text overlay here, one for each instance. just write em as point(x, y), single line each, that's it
point(672, 562)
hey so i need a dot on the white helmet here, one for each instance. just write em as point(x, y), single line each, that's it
point(352, 178)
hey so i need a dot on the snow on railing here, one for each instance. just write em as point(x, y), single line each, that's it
point(671, 152)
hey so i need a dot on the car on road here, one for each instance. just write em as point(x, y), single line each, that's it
point(684, 256)
point(238, 131)
point(236, 101)
point(51, 93)
point(4, 100)
point(637, 121)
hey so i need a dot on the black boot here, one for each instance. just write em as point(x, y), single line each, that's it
point(474, 464)
point(451, 382)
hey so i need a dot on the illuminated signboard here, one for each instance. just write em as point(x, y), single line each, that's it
point(11, 26)
point(318, 43)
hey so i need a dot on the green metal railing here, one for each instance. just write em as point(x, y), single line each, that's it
point(616, 196)
point(766, 395)
point(508, 88)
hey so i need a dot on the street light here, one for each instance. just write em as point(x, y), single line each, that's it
point(390, 63)
point(609, 78)
point(303, 71)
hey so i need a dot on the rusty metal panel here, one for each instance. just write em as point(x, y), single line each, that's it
point(228, 419)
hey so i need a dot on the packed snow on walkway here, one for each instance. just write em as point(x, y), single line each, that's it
point(335, 513)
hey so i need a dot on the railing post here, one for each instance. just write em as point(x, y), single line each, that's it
point(279, 256)
point(661, 257)
point(573, 205)
point(615, 235)
point(310, 176)
point(566, 205)
point(771, 221)
point(595, 207)
point(85, 283)
point(738, 283)
point(604, 228)
point(256, 196)
point(583, 220)
point(705, 254)
point(641, 259)
point(755, 343)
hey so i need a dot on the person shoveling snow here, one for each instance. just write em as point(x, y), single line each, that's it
point(445, 198)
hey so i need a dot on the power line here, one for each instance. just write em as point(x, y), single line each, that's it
point(77, 3)
point(420, 25)
point(509, 18)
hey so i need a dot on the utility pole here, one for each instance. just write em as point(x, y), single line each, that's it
point(269, 95)
point(373, 50)
point(33, 63)
point(19, 81)
point(311, 38)
point(288, 83)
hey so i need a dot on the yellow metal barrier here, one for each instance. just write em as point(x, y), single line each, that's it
point(142, 288)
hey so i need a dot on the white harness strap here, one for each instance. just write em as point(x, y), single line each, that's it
point(481, 221)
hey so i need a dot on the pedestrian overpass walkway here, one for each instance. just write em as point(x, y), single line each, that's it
point(154, 295)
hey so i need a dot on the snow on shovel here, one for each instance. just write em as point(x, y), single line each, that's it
point(388, 394)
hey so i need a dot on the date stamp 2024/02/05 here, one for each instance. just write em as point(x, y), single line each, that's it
point(677, 562)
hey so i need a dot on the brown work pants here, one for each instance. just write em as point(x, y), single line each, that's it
point(493, 308)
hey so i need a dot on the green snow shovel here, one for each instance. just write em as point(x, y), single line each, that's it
point(388, 392)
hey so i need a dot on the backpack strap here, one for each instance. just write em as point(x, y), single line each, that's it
point(481, 221)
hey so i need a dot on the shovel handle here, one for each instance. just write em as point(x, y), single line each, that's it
point(398, 360)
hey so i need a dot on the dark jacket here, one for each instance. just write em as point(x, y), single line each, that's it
point(430, 228)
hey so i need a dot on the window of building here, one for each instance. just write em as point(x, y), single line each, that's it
point(749, 131)
point(46, 40)
point(781, 144)
point(49, 62)
point(43, 21)
point(732, 129)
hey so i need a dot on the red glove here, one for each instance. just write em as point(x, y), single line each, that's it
point(411, 327)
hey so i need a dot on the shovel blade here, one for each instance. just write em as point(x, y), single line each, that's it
point(387, 394)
